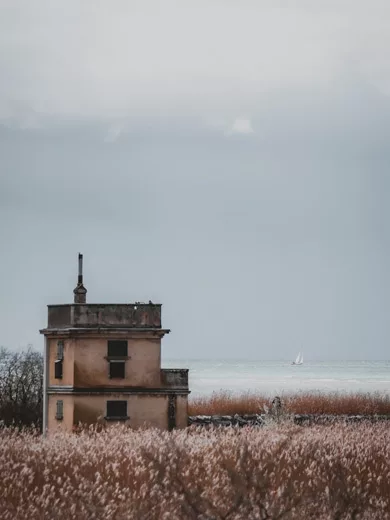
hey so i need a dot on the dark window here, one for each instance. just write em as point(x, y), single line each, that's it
point(60, 350)
point(58, 369)
point(117, 369)
point(60, 410)
point(117, 348)
point(117, 410)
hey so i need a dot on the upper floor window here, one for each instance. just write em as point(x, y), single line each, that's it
point(58, 369)
point(117, 348)
point(117, 370)
point(116, 356)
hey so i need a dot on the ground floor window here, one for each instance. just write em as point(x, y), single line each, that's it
point(60, 410)
point(117, 410)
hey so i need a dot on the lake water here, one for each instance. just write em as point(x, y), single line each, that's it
point(276, 377)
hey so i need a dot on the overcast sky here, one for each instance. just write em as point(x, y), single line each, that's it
point(229, 159)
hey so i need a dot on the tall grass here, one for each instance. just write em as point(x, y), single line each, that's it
point(227, 403)
point(289, 472)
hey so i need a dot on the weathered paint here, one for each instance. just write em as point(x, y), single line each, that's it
point(181, 411)
point(171, 412)
point(155, 397)
point(67, 364)
point(66, 424)
point(142, 368)
point(143, 410)
point(104, 315)
point(174, 377)
point(85, 369)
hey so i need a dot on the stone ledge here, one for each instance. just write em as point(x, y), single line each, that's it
point(103, 390)
point(262, 419)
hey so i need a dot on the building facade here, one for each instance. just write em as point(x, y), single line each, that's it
point(103, 364)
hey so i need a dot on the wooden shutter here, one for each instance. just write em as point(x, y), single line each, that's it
point(60, 349)
point(60, 410)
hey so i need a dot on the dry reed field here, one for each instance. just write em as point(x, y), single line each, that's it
point(275, 472)
point(227, 403)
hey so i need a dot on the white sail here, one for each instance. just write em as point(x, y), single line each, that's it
point(299, 360)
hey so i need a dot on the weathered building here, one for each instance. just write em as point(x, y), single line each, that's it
point(103, 363)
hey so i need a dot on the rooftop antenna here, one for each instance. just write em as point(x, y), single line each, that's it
point(80, 292)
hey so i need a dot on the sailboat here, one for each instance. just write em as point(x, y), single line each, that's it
point(299, 360)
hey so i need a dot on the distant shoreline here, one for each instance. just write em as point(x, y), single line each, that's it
point(274, 377)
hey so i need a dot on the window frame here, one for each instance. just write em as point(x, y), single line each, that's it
point(116, 417)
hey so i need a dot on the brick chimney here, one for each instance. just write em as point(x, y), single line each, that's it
point(80, 292)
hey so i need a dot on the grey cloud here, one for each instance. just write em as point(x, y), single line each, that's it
point(201, 58)
point(254, 243)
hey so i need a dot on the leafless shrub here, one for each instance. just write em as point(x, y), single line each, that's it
point(21, 387)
